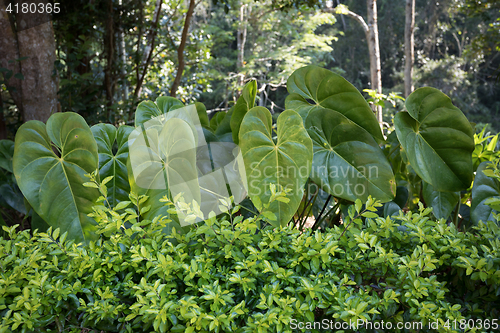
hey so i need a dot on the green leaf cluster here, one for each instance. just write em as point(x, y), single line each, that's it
point(229, 275)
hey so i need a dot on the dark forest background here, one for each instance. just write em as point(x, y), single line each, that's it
point(105, 56)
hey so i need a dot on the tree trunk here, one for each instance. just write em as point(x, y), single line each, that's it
point(37, 96)
point(148, 52)
point(9, 51)
point(374, 49)
point(180, 50)
point(123, 56)
point(371, 34)
point(109, 46)
point(240, 41)
point(409, 46)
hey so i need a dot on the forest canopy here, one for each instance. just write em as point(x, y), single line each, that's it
point(108, 55)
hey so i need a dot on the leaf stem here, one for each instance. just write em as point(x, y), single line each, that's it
point(457, 209)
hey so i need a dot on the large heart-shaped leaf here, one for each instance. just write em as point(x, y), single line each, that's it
point(438, 140)
point(442, 203)
point(348, 163)
point(286, 162)
point(244, 103)
point(113, 161)
point(53, 183)
point(313, 86)
point(484, 188)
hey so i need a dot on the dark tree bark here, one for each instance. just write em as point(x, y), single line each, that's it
point(34, 41)
point(180, 50)
point(409, 46)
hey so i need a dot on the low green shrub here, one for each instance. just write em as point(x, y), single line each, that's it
point(237, 275)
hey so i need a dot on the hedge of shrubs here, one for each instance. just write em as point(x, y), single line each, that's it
point(238, 275)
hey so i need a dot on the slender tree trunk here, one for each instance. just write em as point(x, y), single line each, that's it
point(240, 41)
point(150, 46)
point(123, 57)
point(139, 41)
point(109, 45)
point(374, 49)
point(180, 50)
point(430, 40)
point(371, 34)
point(409, 46)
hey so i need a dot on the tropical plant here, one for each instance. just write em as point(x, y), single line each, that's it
point(49, 164)
point(328, 138)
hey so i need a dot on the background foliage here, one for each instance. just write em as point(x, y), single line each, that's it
point(456, 44)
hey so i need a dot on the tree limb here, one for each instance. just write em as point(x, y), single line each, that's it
point(180, 50)
point(146, 58)
point(344, 11)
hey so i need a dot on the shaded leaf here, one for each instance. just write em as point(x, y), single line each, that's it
point(329, 90)
point(113, 162)
point(438, 140)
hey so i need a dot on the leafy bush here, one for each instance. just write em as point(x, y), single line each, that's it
point(237, 275)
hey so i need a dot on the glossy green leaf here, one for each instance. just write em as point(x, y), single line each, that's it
point(348, 163)
point(442, 203)
point(484, 188)
point(52, 183)
point(113, 161)
point(438, 140)
point(6, 154)
point(312, 86)
point(391, 208)
point(286, 163)
point(244, 103)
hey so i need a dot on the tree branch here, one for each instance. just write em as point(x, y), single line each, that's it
point(146, 59)
point(180, 50)
point(344, 11)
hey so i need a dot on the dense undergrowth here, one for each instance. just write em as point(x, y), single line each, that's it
point(238, 275)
